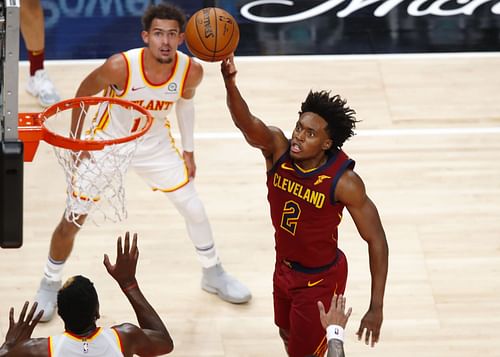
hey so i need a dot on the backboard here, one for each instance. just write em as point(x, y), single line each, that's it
point(11, 150)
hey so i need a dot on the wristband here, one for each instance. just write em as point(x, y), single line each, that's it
point(335, 332)
point(130, 287)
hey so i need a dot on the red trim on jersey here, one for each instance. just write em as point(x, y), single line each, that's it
point(124, 90)
point(148, 81)
point(120, 342)
point(185, 77)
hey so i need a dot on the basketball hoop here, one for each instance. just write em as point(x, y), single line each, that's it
point(94, 153)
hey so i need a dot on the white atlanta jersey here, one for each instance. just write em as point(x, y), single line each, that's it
point(157, 158)
point(105, 342)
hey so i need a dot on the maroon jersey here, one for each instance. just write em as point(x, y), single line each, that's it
point(303, 209)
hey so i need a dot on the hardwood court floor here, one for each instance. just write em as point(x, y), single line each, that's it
point(437, 190)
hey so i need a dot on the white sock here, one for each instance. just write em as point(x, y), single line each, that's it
point(53, 269)
point(207, 256)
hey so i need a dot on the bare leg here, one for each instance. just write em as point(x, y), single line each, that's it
point(61, 246)
point(63, 239)
point(32, 24)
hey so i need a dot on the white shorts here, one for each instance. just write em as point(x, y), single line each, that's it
point(160, 164)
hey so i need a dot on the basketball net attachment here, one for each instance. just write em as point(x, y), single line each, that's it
point(94, 139)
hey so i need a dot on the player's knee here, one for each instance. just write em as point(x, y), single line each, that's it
point(193, 210)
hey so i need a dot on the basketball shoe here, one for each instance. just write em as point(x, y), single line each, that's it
point(47, 298)
point(216, 281)
point(42, 87)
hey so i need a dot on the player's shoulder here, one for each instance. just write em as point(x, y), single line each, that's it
point(116, 61)
point(31, 348)
point(195, 67)
point(349, 187)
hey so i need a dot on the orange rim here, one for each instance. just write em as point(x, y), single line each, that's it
point(79, 144)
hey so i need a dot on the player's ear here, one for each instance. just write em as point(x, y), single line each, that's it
point(327, 144)
point(145, 37)
point(182, 36)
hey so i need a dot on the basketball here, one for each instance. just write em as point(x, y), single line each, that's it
point(212, 34)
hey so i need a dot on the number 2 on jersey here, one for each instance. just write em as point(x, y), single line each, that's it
point(291, 214)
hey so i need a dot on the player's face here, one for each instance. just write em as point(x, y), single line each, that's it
point(162, 39)
point(309, 141)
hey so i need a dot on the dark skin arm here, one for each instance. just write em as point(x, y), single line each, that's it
point(351, 192)
point(270, 140)
point(152, 338)
point(18, 341)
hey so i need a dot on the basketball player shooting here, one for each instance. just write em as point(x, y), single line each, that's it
point(156, 77)
point(310, 180)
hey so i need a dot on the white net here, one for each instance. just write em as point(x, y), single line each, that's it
point(95, 178)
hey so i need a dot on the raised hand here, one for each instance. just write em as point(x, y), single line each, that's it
point(126, 262)
point(21, 330)
point(336, 315)
point(228, 69)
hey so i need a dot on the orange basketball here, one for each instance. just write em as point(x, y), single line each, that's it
point(212, 34)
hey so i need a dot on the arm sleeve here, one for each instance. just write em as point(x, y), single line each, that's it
point(184, 109)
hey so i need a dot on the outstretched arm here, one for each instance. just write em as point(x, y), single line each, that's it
point(351, 191)
point(334, 322)
point(270, 140)
point(152, 338)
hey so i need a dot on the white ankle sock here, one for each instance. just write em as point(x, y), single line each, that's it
point(53, 269)
point(207, 256)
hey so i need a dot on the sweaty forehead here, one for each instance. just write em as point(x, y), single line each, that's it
point(312, 121)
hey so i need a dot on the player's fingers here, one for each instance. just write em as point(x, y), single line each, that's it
point(11, 317)
point(321, 309)
point(134, 242)
point(32, 311)
point(23, 311)
point(367, 336)
point(360, 332)
point(375, 337)
point(135, 249)
point(37, 318)
point(333, 304)
point(126, 249)
point(106, 263)
point(348, 314)
point(119, 247)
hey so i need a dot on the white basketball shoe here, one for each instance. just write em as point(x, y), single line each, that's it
point(216, 281)
point(42, 87)
point(47, 298)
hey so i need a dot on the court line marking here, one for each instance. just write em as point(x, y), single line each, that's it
point(366, 133)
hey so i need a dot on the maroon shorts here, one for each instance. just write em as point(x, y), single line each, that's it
point(296, 294)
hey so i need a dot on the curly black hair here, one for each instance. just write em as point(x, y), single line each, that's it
point(163, 11)
point(78, 304)
point(337, 114)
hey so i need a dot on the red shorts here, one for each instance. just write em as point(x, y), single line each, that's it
point(295, 304)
